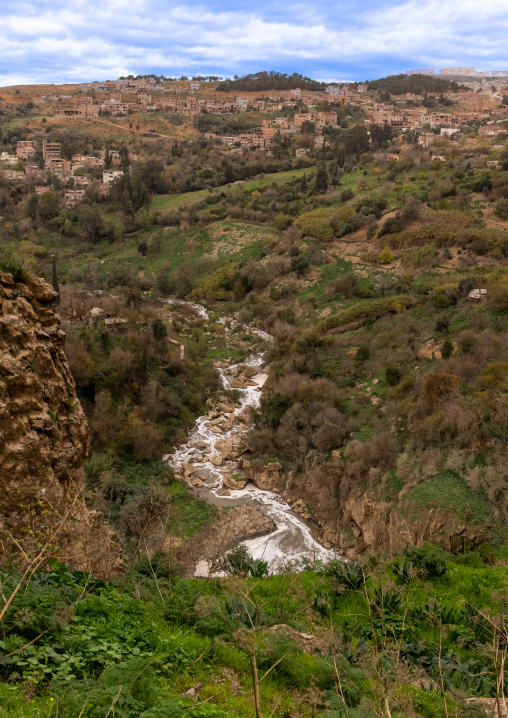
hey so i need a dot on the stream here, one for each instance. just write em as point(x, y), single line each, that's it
point(292, 539)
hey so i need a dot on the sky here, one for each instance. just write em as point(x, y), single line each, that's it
point(55, 41)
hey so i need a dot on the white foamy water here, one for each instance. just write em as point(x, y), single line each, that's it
point(199, 308)
point(292, 539)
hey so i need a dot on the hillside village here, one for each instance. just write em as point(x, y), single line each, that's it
point(307, 122)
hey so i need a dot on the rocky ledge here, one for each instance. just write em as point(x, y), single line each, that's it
point(44, 437)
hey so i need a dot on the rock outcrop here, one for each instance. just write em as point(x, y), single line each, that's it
point(267, 478)
point(44, 437)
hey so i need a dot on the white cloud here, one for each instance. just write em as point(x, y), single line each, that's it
point(89, 39)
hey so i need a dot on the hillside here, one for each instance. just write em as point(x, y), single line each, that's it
point(295, 402)
point(417, 84)
point(262, 81)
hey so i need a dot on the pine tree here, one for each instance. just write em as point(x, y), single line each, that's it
point(228, 173)
point(304, 185)
point(321, 182)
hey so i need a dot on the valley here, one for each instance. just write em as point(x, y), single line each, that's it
point(253, 399)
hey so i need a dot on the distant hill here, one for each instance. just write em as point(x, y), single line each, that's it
point(270, 81)
point(418, 84)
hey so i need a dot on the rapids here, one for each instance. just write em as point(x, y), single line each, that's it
point(292, 540)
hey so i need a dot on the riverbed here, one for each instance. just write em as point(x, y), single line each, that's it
point(292, 539)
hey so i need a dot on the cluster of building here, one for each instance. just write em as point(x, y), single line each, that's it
point(264, 137)
point(53, 163)
point(420, 116)
point(459, 72)
point(184, 101)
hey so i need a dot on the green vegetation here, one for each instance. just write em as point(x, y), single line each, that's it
point(152, 646)
point(261, 81)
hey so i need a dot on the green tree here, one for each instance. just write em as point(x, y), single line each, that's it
point(90, 221)
point(159, 329)
point(447, 349)
point(48, 205)
point(299, 265)
point(363, 353)
point(392, 375)
point(321, 181)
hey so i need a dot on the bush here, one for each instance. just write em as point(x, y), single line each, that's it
point(315, 223)
point(299, 265)
point(501, 209)
point(159, 329)
point(143, 248)
point(391, 226)
point(385, 256)
point(363, 353)
point(282, 222)
point(98, 464)
point(442, 325)
point(419, 256)
point(466, 285)
point(17, 269)
point(392, 375)
point(447, 349)
point(346, 194)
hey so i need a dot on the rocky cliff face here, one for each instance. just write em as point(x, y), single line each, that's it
point(44, 437)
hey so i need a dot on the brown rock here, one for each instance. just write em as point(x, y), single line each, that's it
point(44, 436)
point(233, 484)
point(267, 478)
point(245, 415)
point(216, 460)
point(231, 448)
point(239, 383)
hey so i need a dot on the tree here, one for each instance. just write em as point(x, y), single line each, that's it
point(363, 353)
point(228, 173)
point(356, 140)
point(321, 181)
point(392, 375)
point(448, 349)
point(299, 265)
point(308, 128)
point(108, 160)
point(124, 157)
point(48, 205)
point(90, 220)
point(501, 209)
point(159, 329)
point(380, 134)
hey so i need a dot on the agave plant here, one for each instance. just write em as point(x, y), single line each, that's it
point(258, 568)
point(387, 600)
point(405, 571)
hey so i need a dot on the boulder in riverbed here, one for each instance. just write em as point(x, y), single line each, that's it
point(267, 478)
point(232, 483)
point(231, 448)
